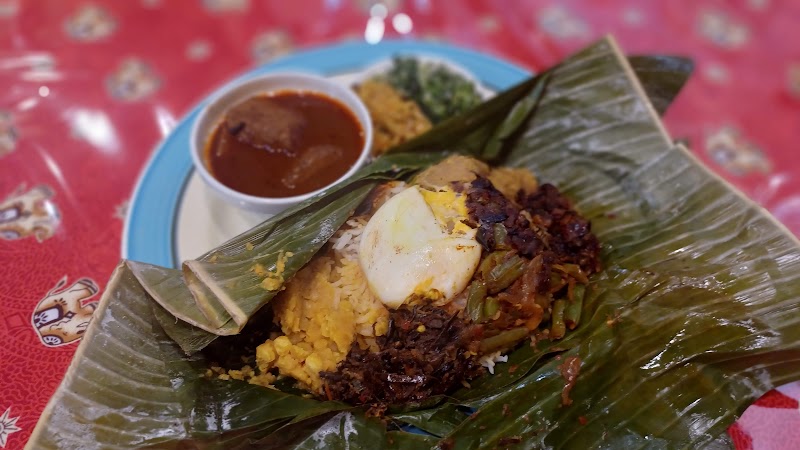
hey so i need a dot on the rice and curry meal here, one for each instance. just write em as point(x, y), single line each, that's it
point(430, 281)
point(427, 285)
point(399, 295)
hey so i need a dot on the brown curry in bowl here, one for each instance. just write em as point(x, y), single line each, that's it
point(284, 144)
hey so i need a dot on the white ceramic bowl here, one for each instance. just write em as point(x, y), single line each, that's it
point(212, 114)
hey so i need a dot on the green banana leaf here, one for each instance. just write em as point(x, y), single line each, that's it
point(223, 285)
point(227, 293)
point(694, 316)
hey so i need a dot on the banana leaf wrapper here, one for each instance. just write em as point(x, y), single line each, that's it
point(693, 318)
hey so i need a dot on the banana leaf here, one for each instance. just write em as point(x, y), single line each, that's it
point(694, 316)
point(227, 292)
point(222, 283)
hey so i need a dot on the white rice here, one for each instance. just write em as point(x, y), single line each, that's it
point(490, 360)
point(345, 241)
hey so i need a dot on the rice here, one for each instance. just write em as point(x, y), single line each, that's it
point(490, 360)
point(345, 241)
point(324, 309)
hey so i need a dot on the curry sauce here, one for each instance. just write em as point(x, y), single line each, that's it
point(284, 144)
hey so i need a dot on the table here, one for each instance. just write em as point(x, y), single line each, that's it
point(90, 88)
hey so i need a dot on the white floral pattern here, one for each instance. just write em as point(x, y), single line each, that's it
point(90, 23)
point(717, 73)
point(198, 50)
point(730, 150)
point(269, 45)
point(722, 30)
point(133, 80)
point(560, 23)
point(8, 425)
point(8, 133)
point(121, 210)
point(9, 8)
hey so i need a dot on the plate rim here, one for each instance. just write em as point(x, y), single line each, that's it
point(328, 60)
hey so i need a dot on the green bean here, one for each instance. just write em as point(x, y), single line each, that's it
point(490, 307)
point(475, 298)
point(556, 282)
point(488, 263)
point(500, 237)
point(557, 326)
point(504, 340)
point(504, 274)
point(574, 270)
point(572, 312)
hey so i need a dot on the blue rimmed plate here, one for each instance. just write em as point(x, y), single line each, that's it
point(172, 217)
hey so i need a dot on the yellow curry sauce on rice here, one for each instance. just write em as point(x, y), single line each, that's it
point(429, 282)
point(324, 309)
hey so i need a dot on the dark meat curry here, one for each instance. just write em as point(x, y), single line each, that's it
point(285, 144)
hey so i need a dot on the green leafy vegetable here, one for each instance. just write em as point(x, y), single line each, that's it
point(440, 92)
point(693, 318)
point(404, 76)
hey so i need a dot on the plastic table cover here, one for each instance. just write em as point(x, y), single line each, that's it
point(89, 88)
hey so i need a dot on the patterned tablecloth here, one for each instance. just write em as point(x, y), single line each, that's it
point(89, 87)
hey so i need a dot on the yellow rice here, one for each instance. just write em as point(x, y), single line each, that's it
point(324, 309)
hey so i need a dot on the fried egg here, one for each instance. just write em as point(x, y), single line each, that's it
point(417, 245)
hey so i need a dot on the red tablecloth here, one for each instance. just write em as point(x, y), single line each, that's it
point(88, 89)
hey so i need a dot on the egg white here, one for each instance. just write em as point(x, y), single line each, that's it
point(405, 251)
